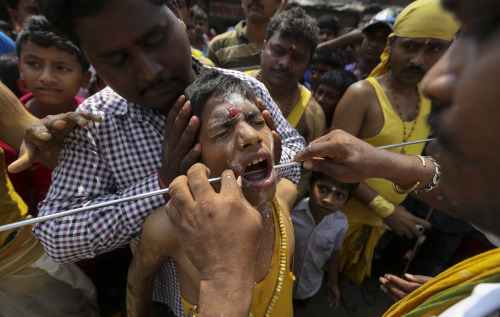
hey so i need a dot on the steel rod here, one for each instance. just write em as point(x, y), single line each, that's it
point(145, 195)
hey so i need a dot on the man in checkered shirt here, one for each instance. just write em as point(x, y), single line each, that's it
point(141, 50)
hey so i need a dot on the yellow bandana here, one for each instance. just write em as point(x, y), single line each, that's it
point(420, 19)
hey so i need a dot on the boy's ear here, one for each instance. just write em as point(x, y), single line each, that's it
point(86, 79)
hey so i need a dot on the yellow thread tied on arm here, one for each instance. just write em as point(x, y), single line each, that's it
point(381, 206)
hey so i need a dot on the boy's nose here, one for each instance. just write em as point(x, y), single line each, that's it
point(47, 75)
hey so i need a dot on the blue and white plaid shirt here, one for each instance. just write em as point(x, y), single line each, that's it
point(119, 157)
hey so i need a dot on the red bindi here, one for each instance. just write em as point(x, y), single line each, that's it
point(291, 48)
point(233, 113)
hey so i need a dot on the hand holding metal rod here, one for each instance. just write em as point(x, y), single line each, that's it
point(145, 195)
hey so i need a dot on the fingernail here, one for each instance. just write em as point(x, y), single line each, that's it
point(308, 165)
point(197, 147)
point(381, 280)
point(382, 287)
point(191, 121)
point(186, 106)
point(408, 275)
point(387, 277)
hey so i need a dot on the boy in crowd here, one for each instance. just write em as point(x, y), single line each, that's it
point(234, 136)
point(319, 227)
point(53, 68)
point(324, 59)
point(331, 88)
point(328, 28)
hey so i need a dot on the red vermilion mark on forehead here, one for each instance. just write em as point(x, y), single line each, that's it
point(291, 48)
point(233, 113)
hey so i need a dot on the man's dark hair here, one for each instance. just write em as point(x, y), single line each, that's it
point(330, 56)
point(212, 82)
point(349, 187)
point(41, 32)
point(61, 13)
point(295, 24)
point(329, 22)
point(341, 79)
point(197, 13)
point(9, 72)
point(371, 9)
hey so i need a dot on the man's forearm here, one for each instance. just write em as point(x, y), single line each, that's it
point(13, 118)
point(403, 170)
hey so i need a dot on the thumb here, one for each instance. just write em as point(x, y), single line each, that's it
point(24, 161)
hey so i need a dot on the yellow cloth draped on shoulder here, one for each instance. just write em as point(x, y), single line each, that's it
point(449, 287)
point(420, 19)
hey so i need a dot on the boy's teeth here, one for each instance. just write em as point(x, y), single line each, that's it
point(256, 161)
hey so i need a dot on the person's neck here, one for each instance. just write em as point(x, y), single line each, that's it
point(365, 67)
point(400, 88)
point(41, 110)
point(280, 94)
point(256, 32)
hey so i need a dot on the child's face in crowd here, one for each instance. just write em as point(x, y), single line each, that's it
point(326, 197)
point(234, 136)
point(328, 97)
point(318, 69)
point(52, 75)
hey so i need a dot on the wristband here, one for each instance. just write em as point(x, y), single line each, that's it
point(381, 206)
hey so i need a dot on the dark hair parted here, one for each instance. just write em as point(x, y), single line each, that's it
point(349, 187)
point(62, 12)
point(330, 56)
point(295, 24)
point(341, 79)
point(329, 22)
point(41, 32)
point(212, 82)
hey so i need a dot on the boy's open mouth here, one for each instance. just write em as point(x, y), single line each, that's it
point(258, 172)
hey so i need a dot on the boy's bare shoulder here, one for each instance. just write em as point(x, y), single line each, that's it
point(158, 233)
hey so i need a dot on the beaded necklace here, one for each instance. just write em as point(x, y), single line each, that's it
point(400, 113)
point(281, 273)
point(193, 312)
point(289, 104)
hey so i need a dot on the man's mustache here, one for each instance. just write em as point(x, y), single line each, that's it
point(256, 3)
point(282, 71)
point(414, 69)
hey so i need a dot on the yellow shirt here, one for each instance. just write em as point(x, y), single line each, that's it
point(391, 133)
point(264, 291)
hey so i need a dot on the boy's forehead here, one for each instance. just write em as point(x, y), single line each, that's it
point(222, 106)
point(52, 52)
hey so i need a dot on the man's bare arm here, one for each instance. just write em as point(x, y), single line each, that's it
point(13, 118)
point(158, 240)
point(350, 160)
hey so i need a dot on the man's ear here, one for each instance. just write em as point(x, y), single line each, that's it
point(14, 16)
point(390, 43)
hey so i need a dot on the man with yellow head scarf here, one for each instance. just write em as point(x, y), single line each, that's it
point(388, 108)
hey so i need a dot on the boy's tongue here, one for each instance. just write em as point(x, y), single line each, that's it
point(256, 172)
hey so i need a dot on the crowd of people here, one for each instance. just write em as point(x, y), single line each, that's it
point(104, 100)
